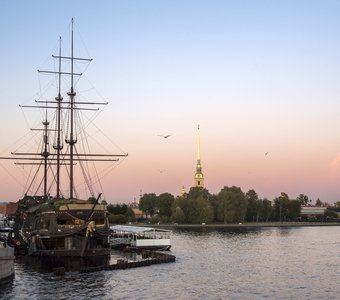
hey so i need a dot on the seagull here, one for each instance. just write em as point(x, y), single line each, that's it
point(266, 154)
point(161, 171)
point(165, 136)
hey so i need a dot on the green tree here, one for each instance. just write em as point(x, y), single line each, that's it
point(147, 204)
point(192, 212)
point(178, 215)
point(195, 206)
point(130, 215)
point(214, 205)
point(266, 210)
point(303, 199)
point(155, 219)
point(253, 207)
point(318, 202)
point(92, 200)
point(294, 209)
point(164, 203)
point(117, 209)
point(286, 209)
point(110, 208)
point(121, 210)
point(196, 192)
point(206, 212)
point(185, 205)
point(281, 207)
point(117, 219)
point(232, 205)
point(331, 214)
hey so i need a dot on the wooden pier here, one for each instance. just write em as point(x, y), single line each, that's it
point(150, 258)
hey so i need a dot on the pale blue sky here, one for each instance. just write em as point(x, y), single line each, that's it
point(257, 75)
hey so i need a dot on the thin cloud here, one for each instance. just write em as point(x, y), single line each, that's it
point(335, 165)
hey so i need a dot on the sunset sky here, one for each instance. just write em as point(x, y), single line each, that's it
point(258, 76)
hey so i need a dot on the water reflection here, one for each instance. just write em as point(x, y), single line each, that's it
point(239, 232)
point(73, 264)
point(221, 263)
point(48, 264)
point(211, 230)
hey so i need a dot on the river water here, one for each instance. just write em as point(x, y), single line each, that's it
point(211, 263)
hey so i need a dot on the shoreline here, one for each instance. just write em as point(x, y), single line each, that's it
point(242, 225)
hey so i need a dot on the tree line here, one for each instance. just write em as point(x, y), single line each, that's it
point(230, 205)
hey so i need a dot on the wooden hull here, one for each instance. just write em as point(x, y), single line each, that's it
point(72, 245)
point(72, 253)
point(65, 228)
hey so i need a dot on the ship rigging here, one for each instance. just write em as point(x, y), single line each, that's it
point(59, 161)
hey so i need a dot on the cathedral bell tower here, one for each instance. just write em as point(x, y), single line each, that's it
point(199, 179)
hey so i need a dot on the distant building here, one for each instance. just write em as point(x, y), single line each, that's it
point(199, 179)
point(8, 208)
point(183, 192)
point(139, 215)
point(312, 210)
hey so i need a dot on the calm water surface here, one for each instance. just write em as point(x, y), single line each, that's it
point(272, 263)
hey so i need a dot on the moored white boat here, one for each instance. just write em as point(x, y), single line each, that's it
point(6, 263)
point(140, 237)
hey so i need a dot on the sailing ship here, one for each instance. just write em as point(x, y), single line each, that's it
point(62, 225)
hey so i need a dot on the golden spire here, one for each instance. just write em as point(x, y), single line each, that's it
point(199, 179)
point(198, 144)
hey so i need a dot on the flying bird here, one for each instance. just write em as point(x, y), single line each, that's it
point(266, 154)
point(165, 136)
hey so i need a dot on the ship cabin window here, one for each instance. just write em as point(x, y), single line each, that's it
point(42, 223)
point(68, 221)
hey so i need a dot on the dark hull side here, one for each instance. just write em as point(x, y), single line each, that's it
point(7, 279)
point(50, 263)
point(71, 245)
point(72, 253)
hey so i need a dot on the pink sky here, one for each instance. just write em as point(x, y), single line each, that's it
point(257, 76)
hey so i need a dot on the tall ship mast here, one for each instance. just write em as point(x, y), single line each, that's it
point(56, 222)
